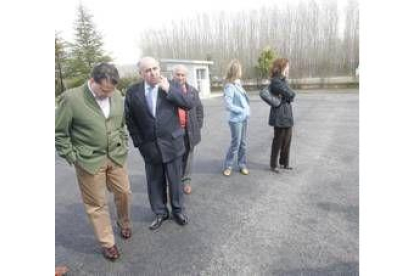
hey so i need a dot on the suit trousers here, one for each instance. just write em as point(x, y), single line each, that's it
point(187, 161)
point(93, 189)
point(281, 143)
point(158, 175)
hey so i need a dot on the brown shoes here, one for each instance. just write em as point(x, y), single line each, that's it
point(110, 253)
point(125, 233)
point(61, 270)
point(187, 189)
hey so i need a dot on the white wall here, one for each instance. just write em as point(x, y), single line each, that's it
point(205, 90)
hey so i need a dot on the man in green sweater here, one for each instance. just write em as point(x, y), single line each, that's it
point(90, 134)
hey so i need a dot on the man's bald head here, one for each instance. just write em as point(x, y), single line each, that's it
point(180, 68)
point(143, 62)
point(180, 73)
point(149, 69)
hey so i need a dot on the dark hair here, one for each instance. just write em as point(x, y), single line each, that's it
point(105, 71)
point(278, 66)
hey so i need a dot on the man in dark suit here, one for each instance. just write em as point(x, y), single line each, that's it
point(151, 113)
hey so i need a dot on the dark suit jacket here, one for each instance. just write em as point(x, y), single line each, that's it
point(158, 139)
point(195, 118)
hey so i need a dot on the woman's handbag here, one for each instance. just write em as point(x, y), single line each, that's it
point(269, 98)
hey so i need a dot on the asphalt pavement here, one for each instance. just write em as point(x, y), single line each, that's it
point(299, 222)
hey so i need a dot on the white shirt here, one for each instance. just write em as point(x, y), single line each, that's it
point(154, 95)
point(104, 103)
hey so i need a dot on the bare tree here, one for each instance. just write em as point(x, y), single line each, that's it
point(307, 33)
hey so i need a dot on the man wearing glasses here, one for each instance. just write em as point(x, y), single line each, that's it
point(90, 134)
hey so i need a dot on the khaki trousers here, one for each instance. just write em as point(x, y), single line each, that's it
point(93, 188)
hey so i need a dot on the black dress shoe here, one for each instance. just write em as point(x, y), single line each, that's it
point(181, 218)
point(159, 219)
point(287, 167)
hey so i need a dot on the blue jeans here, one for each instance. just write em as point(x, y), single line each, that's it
point(237, 146)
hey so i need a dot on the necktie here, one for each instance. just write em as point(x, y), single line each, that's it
point(150, 100)
point(181, 112)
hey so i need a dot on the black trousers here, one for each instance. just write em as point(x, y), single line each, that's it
point(281, 143)
point(158, 175)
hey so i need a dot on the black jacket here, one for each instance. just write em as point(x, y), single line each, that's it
point(282, 115)
point(159, 139)
point(195, 117)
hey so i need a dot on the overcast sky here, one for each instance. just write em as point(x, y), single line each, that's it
point(121, 21)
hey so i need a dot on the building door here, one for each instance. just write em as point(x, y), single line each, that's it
point(201, 79)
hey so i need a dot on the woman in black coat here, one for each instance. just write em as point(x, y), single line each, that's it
point(281, 117)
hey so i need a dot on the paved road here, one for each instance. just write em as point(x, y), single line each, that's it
point(300, 222)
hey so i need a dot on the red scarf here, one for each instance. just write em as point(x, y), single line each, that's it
point(181, 112)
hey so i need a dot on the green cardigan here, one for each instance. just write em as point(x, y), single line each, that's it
point(82, 133)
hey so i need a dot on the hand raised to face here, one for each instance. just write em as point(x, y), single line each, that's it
point(164, 84)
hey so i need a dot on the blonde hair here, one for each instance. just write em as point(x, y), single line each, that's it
point(233, 71)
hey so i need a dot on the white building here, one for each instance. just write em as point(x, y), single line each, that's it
point(198, 73)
